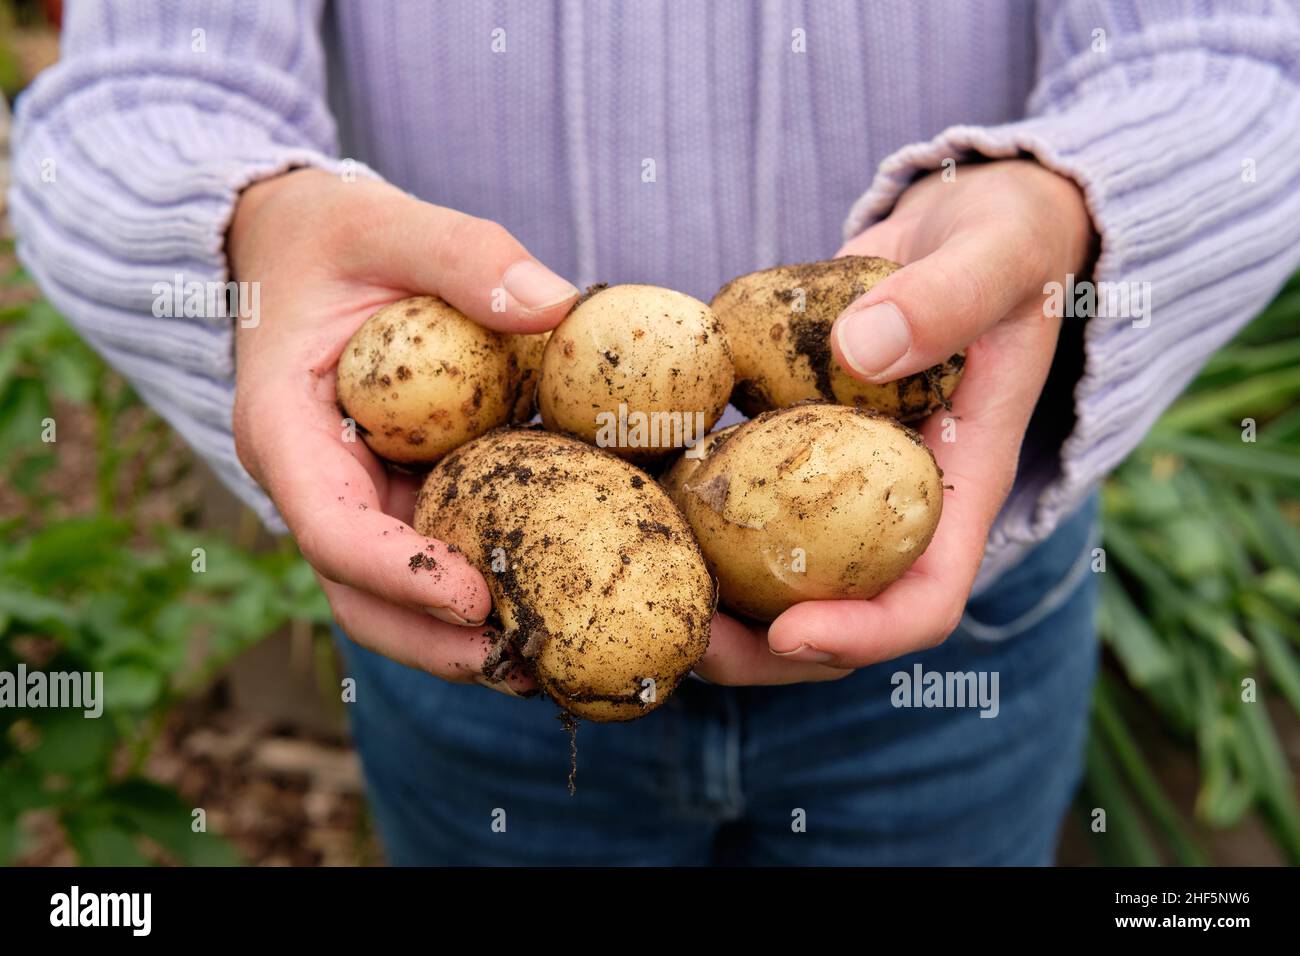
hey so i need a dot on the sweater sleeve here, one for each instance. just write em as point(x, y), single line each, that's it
point(129, 156)
point(1180, 121)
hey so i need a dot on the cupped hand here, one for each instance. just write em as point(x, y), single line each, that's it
point(977, 250)
point(327, 253)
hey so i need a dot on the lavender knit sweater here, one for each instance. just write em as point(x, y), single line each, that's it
point(768, 124)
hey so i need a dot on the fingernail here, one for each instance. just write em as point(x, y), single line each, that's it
point(501, 687)
point(873, 339)
point(451, 617)
point(536, 287)
point(805, 652)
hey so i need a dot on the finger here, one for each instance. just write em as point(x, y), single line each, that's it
point(403, 489)
point(937, 305)
point(738, 656)
point(475, 264)
point(923, 607)
point(331, 492)
point(917, 611)
point(887, 239)
point(456, 654)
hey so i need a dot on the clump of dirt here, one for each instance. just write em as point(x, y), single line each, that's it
point(812, 340)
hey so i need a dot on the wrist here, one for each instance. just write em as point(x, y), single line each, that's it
point(252, 208)
point(1072, 226)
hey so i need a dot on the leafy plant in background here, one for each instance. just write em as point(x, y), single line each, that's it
point(11, 80)
point(1202, 536)
point(94, 592)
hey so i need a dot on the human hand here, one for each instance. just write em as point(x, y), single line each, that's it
point(977, 252)
point(327, 254)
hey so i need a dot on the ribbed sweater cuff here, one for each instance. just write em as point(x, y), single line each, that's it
point(121, 186)
point(1165, 166)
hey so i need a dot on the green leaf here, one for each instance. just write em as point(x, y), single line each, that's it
point(1237, 361)
point(115, 621)
point(28, 472)
point(1120, 742)
point(101, 841)
point(1143, 563)
point(1195, 551)
point(1284, 538)
point(1258, 397)
point(72, 743)
point(1226, 791)
point(1144, 656)
point(1282, 587)
point(1152, 499)
point(1220, 631)
point(72, 550)
point(23, 789)
point(132, 684)
point(24, 407)
point(1277, 782)
point(1125, 841)
point(73, 373)
point(1279, 659)
point(1248, 459)
point(1277, 321)
point(1282, 431)
point(159, 813)
point(40, 613)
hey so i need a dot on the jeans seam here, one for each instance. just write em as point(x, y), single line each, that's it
point(1055, 596)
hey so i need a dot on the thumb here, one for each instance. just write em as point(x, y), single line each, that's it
point(474, 264)
point(929, 309)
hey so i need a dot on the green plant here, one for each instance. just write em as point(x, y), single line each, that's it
point(1199, 610)
point(156, 610)
point(11, 78)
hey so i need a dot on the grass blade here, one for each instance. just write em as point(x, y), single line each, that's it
point(1162, 811)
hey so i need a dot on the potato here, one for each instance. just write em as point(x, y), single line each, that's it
point(778, 322)
point(689, 461)
point(419, 378)
point(637, 370)
point(527, 352)
point(599, 586)
point(818, 501)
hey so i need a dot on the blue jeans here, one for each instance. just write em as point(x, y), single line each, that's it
point(829, 773)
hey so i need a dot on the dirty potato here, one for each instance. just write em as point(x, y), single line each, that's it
point(778, 322)
point(818, 501)
point(689, 461)
point(420, 378)
point(599, 586)
point(638, 370)
point(527, 369)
